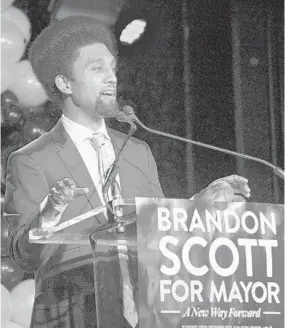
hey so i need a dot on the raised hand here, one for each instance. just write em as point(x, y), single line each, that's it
point(232, 188)
point(64, 191)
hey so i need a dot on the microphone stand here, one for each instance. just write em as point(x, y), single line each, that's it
point(129, 116)
point(110, 179)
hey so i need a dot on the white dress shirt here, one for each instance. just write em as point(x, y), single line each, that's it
point(81, 137)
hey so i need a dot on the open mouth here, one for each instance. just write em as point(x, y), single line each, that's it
point(109, 93)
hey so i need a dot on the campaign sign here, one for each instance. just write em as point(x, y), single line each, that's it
point(203, 265)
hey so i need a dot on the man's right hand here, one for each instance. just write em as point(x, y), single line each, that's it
point(64, 191)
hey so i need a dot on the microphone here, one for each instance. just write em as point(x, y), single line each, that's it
point(113, 170)
point(129, 116)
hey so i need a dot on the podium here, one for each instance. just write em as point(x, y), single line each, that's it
point(114, 248)
point(175, 263)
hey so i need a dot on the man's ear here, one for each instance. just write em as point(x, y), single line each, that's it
point(63, 84)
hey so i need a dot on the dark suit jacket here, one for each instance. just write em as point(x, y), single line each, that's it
point(32, 171)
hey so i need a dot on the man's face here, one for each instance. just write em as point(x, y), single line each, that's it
point(94, 81)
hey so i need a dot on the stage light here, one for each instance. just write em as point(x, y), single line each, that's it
point(133, 31)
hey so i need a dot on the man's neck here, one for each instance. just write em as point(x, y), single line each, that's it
point(78, 115)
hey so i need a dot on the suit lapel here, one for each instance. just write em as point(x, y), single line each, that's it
point(74, 163)
point(116, 140)
point(124, 163)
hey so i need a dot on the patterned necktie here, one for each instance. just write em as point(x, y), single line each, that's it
point(129, 307)
point(98, 142)
point(106, 157)
point(102, 145)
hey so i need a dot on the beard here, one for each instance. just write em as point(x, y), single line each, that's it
point(105, 108)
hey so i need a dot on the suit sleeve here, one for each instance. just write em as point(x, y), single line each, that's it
point(26, 188)
point(155, 189)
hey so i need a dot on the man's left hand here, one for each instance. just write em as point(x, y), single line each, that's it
point(232, 188)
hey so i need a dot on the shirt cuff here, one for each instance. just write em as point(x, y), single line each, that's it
point(59, 209)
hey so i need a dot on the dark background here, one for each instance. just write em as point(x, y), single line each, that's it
point(208, 70)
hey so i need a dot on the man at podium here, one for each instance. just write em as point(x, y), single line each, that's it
point(60, 175)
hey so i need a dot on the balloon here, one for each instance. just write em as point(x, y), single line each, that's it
point(7, 98)
point(6, 4)
point(20, 19)
point(22, 302)
point(6, 78)
point(13, 43)
point(6, 306)
point(4, 236)
point(26, 86)
point(11, 274)
point(12, 324)
point(13, 115)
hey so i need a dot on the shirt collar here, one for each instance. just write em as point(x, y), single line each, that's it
point(79, 133)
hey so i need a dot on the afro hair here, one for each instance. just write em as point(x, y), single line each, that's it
point(54, 49)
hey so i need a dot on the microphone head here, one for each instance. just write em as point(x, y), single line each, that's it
point(121, 116)
point(128, 110)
